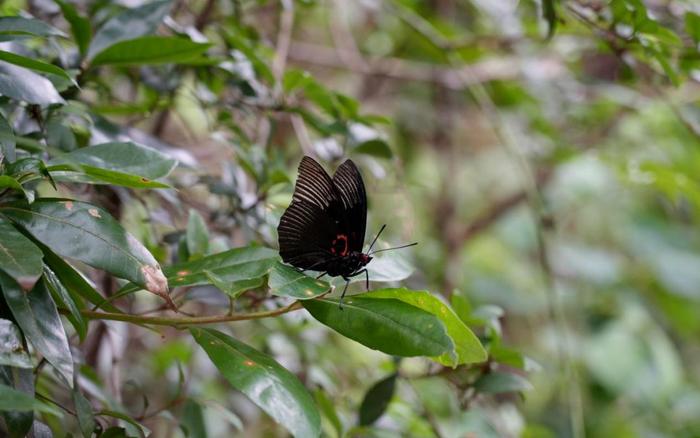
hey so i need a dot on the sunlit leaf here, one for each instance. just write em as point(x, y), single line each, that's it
point(12, 352)
point(19, 257)
point(150, 50)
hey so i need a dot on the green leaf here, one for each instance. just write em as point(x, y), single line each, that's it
point(86, 419)
point(79, 25)
point(197, 235)
point(95, 175)
point(124, 157)
point(234, 288)
point(21, 84)
point(20, 27)
point(19, 257)
point(61, 296)
point(385, 324)
point(8, 182)
point(33, 64)
point(78, 287)
point(18, 423)
point(328, 411)
point(38, 318)
point(274, 389)
point(499, 382)
point(193, 420)
point(7, 141)
point(467, 348)
point(377, 400)
point(692, 25)
point(12, 352)
point(376, 148)
point(286, 281)
point(90, 234)
point(14, 400)
point(151, 50)
point(129, 24)
point(549, 11)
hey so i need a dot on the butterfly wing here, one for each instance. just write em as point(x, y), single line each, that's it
point(310, 224)
point(351, 190)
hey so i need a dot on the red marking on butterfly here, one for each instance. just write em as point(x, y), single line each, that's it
point(339, 238)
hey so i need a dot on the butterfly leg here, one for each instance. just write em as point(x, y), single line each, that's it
point(345, 289)
point(321, 276)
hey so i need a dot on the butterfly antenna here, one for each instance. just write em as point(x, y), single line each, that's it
point(396, 247)
point(377, 237)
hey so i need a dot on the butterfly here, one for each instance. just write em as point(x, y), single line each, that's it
point(323, 229)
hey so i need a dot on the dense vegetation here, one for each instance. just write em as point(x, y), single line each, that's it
point(545, 155)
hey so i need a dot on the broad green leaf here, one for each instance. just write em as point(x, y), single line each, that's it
point(19, 257)
point(61, 296)
point(274, 389)
point(95, 175)
point(129, 24)
point(288, 282)
point(12, 352)
point(79, 25)
point(90, 234)
point(14, 400)
point(33, 64)
point(234, 288)
point(7, 141)
point(197, 235)
point(8, 182)
point(21, 84)
point(20, 27)
point(467, 348)
point(385, 324)
point(151, 50)
point(376, 400)
point(132, 424)
point(500, 382)
point(193, 420)
point(376, 147)
point(692, 25)
point(78, 287)
point(293, 79)
point(38, 318)
point(86, 418)
point(125, 157)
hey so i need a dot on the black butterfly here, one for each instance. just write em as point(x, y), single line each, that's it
point(323, 229)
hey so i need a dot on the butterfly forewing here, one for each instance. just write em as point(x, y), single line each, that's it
point(326, 219)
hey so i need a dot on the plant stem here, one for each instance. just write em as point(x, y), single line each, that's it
point(186, 321)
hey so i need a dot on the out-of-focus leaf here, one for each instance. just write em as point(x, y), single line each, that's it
point(376, 147)
point(500, 382)
point(193, 420)
point(95, 175)
point(151, 50)
point(197, 235)
point(7, 141)
point(274, 389)
point(90, 234)
point(129, 24)
point(19, 257)
point(467, 348)
point(125, 157)
point(115, 432)
point(12, 352)
point(83, 408)
point(20, 27)
point(8, 182)
point(385, 324)
point(21, 84)
point(18, 423)
point(61, 296)
point(391, 266)
point(38, 318)
point(328, 411)
point(692, 25)
point(376, 400)
point(549, 11)
point(14, 400)
point(33, 64)
point(79, 25)
point(286, 281)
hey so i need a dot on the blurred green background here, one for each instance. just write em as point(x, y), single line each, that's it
point(544, 154)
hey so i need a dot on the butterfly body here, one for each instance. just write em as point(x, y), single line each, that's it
point(323, 229)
